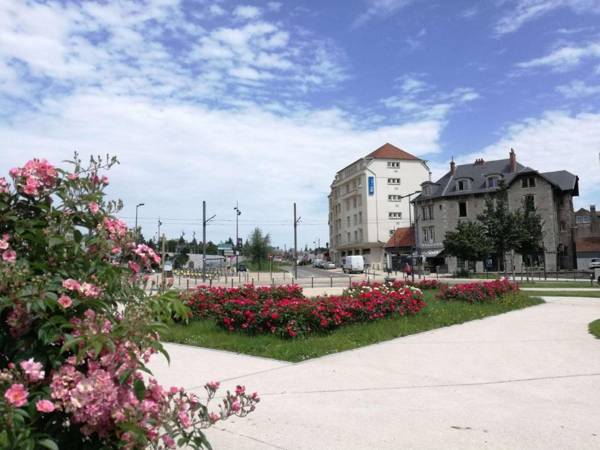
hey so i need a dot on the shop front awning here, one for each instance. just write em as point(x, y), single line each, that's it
point(432, 253)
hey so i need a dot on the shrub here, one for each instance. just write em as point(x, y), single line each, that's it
point(285, 311)
point(77, 327)
point(478, 292)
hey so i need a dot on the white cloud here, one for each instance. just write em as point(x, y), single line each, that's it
point(523, 11)
point(578, 89)
point(173, 156)
point(564, 58)
point(418, 99)
point(557, 140)
point(247, 12)
point(377, 9)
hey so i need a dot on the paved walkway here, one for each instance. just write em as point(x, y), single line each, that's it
point(527, 379)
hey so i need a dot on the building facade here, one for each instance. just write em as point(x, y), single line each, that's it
point(369, 200)
point(460, 195)
point(587, 236)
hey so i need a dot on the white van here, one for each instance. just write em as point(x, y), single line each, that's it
point(353, 264)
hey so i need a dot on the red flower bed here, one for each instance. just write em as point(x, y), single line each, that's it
point(285, 311)
point(478, 292)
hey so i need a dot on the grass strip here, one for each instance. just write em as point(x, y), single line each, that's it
point(437, 314)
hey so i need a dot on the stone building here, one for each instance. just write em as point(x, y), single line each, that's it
point(369, 200)
point(587, 235)
point(461, 194)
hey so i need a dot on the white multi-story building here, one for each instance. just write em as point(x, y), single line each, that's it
point(369, 200)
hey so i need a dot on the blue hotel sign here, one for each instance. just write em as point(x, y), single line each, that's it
point(371, 185)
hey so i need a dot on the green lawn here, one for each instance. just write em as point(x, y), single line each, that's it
point(265, 266)
point(594, 328)
point(437, 314)
point(565, 293)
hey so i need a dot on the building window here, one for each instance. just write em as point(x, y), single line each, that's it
point(529, 202)
point(583, 219)
point(393, 180)
point(355, 236)
point(563, 225)
point(393, 164)
point(348, 220)
point(394, 198)
point(462, 209)
point(360, 234)
point(360, 217)
point(528, 182)
point(359, 202)
point(395, 215)
point(391, 232)
point(354, 202)
point(428, 235)
point(492, 182)
point(462, 185)
point(355, 219)
point(427, 212)
point(426, 190)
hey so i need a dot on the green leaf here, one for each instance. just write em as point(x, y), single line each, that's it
point(48, 443)
point(139, 389)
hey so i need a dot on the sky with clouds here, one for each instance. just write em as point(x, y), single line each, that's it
point(262, 102)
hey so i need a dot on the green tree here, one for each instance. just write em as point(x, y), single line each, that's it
point(530, 228)
point(258, 246)
point(468, 241)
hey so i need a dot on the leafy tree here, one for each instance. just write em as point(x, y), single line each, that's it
point(468, 241)
point(530, 227)
point(258, 246)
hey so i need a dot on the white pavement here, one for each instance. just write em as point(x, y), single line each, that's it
point(527, 379)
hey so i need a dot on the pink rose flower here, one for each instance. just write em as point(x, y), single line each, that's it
point(135, 267)
point(3, 244)
point(168, 440)
point(9, 256)
point(33, 370)
point(235, 406)
point(73, 176)
point(44, 406)
point(71, 284)
point(16, 395)
point(65, 301)
point(93, 207)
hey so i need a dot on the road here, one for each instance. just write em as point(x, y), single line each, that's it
point(309, 271)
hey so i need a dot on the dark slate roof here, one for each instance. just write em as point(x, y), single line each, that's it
point(478, 172)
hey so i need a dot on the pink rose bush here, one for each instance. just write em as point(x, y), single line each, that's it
point(478, 292)
point(286, 312)
point(78, 328)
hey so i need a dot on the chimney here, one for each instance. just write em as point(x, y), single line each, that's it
point(513, 160)
point(452, 167)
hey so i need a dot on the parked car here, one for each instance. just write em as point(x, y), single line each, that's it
point(594, 263)
point(328, 265)
point(318, 263)
point(353, 264)
point(242, 268)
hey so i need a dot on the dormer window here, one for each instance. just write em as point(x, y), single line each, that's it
point(493, 181)
point(462, 185)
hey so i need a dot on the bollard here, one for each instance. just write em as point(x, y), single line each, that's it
point(312, 282)
point(350, 281)
point(252, 281)
point(272, 282)
point(258, 276)
point(210, 282)
point(231, 282)
point(330, 281)
point(187, 284)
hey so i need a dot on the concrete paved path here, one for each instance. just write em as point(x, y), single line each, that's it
point(527, 379)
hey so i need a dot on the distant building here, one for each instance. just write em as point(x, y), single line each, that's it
point(460, 196)
point(368, 201)
point(587, 235)
point(400, 247)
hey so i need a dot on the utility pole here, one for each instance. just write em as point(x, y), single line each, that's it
point(137, 234)
point(296, 220)
point(237, 239)
point(158, 235)
point(162, 263)
point(204, 222)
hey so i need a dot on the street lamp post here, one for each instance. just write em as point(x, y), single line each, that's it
point(136, 217)
point(237, 239)
point(410, 225)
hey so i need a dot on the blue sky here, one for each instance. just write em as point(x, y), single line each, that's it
point(261, 102)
